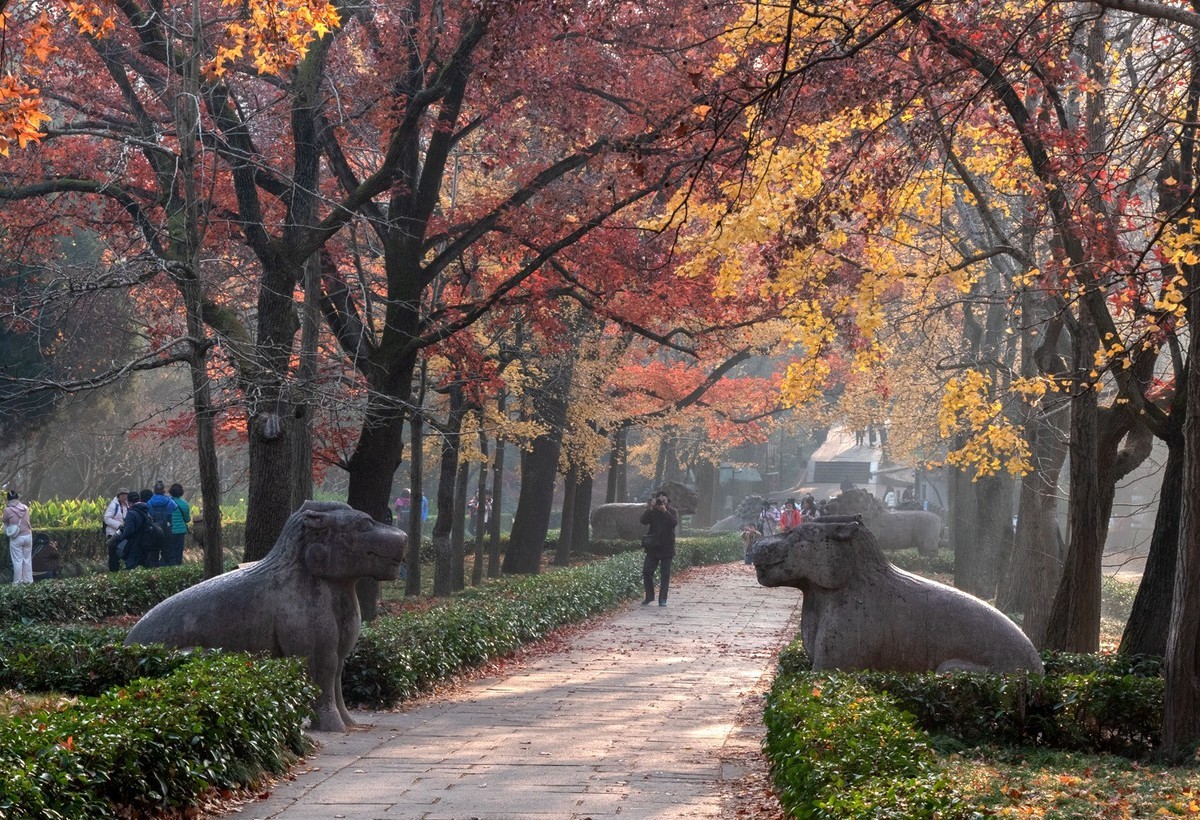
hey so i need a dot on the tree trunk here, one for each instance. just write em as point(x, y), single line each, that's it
point(566, 529)
point(706, 494)
point(371, 468)
point(539, 468)
point(1181, 694)
point(269, 496)
point(581, 532)
point(306, 376)
point(532, 518)
point(1036, 557)
point(493, 570)
point(1074, 624)
point(458, 532)
point(614, 460)
point(416, 478)
point(964, 525)
point(480, 524)
point(1146, 630)
point(443, 548)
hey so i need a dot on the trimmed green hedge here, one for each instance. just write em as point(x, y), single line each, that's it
point(857, 744)
point(216, 722)
point(93, 597)
point(839, 750)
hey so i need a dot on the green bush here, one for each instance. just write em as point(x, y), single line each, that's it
point(217, 722)
point(839, 750)
point(78, 660)
point(1087, 703)
point(93, 597)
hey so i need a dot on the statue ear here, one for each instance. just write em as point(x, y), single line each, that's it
point(316, 520)
point(844, 532)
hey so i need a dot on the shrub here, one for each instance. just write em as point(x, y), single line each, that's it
point(93, 597)
point(1086, 703)
point(216, 722)
point(838, 750)
point(78, 660)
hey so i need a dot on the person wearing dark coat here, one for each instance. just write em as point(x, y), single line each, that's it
point(659, 543)
point(136, 529)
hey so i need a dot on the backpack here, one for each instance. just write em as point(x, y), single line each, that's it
point(159, 529)
point(156, 535)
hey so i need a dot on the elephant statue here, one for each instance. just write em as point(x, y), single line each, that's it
point(861, 612)
point(906, 529)
point(297, 601)
point(623, 521)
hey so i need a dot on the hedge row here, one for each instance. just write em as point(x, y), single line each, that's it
point(839, 750)
point(1103, 704)
point(79, 545)
point(216, 722)
point(93, 597)
point(399, 657)
point(857, 744)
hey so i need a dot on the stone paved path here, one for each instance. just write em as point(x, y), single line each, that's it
point(636, 718)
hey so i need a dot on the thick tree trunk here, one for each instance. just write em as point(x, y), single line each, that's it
point(982, 511)
point(1074, 624)
point(371, 468)
point(963, 524)
point(1146, 630)
point(616, 461)
point(269, 496)
point(539, 468)
point(532, 518)
point(1181, 695)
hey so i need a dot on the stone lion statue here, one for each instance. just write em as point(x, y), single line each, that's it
point(297, 601)
point(907, 529)
point(860, 612)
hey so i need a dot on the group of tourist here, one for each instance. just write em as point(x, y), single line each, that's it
point(146, 528)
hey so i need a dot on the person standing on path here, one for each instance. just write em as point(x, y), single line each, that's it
point(659, 543)
point(20, 538)
point(114, 517)
point(173, 556)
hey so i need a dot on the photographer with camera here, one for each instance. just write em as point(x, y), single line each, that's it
point(659, 544)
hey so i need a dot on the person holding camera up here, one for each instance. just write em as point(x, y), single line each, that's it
point(659, 544)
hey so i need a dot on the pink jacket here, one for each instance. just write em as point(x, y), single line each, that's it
point(18, 513)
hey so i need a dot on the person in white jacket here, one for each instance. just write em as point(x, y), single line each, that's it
point(20, 538)
point(114, 517)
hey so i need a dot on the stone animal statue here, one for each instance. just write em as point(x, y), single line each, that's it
point(297, 601)
point(908, 529)
point(860, 612)
point(623, 521)
point(747, 512)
